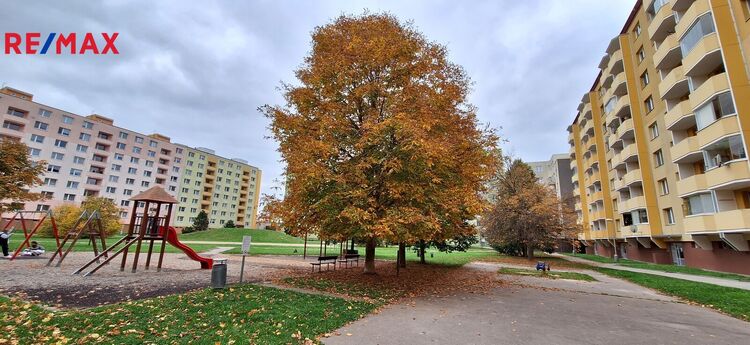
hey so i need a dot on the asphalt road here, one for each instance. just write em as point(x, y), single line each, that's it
point(542, 311)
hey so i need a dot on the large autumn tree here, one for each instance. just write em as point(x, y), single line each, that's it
point(524, 214)
point(17, 174)
point(379, 139)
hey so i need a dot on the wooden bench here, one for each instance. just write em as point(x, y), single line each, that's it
point(347, 258)
point(325, 260)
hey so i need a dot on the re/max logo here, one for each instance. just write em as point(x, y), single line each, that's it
point(30, 42)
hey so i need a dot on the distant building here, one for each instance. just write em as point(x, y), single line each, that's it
point(91, 156)
point(555, 173)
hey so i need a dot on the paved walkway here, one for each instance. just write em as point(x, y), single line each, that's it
point(696, 278)
point(309, 245)
point(544, 311)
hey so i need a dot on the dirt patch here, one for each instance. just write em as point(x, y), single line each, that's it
point(59, 288)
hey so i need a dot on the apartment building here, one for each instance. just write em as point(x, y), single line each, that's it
point(227, 189)
point(555, 173)
point(90, 156)
point(659, 143)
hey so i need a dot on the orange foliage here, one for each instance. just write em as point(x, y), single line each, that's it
point(378, 137)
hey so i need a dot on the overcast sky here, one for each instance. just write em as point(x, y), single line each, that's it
point(197, 70)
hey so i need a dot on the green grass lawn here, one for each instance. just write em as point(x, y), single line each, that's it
point(682, 269)
point(665, 268)
point(434, 256)
point(550, 275)
point(592, 257)
point(735, 302)
point(245, 313)
point(235, 235)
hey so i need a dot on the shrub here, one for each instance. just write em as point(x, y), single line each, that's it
point(229, 224)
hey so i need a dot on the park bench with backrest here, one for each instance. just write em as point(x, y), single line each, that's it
point(349, 258)
point(324, 260)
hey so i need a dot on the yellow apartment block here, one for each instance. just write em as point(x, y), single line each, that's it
point(659, 143)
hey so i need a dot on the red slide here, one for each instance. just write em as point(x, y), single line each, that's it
point(206, 263)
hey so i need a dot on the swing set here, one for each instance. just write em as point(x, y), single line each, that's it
point(28, 231)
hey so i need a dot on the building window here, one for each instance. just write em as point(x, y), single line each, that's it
point(69, 197)
point(637, 30)
point(53, 168)
point(663, 187)
point(724, 151)
point(34, 152)
point(37, 138)
point(40, 125)
point(84, 137)
point(132, 170)
point(658, 158)
point(669, 216)
point(45, 113)
point(63, 131)
point(653, 130)
point(136, 149)
point(644, 79)
point(123, 135)
point(702, 27)
point(716, 108)
point(649, 103)
point(75, 172)
point(88, 125)
point(79, 160)
point(699, 204)
point(127, 192)
point(134, 160)
point(111, 190)
point(67, 119)
point(119, 156)
point(81, 148)
point(113, 178)
point(139, 140)
point(116, 167)
point(641, 55)
point(129, 181)
point(120, 146)
point(61, 143)
point(57, 156)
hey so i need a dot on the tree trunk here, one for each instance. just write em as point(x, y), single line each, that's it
point(530, 252)
point(421, 251)
point(370, 256)
point(402, 255)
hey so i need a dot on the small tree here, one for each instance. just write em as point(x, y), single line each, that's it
point(201, 221)
point(229, 224)
point(525, 214)
point(17, 175)
point(66, 216)
point(270, 212)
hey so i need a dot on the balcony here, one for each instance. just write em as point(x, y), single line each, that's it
point(619, 85)
point(614, 66)
point(704, 58)
point(668, 55)
point(622, 107)
point(597, 215)
point(687, 151)
point(689, 185)
point(722, 127)
point(596, 196)
point(628, 153)
point(680, 116)
point(687, 20)
point(734, 175)
point(636, 230)
point(674, 85)
point(631, 177)
point(633, 203)
point(626, 130)
point(573, 160)
point(587, 114)
point(721, 221)
point(708, 89)
point(662, 23)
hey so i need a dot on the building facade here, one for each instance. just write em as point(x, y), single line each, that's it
point(659, 143)
point(90, 156)
point(555, 173)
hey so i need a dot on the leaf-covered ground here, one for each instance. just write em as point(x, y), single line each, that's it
point(550, 275)
point(385, 286)
point(242, 314)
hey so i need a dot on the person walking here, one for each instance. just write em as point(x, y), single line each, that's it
point(4, 236)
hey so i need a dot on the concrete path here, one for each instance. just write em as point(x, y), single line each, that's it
point(533, 310)
point(254, 243)
point(217, 250)
point(696, 278)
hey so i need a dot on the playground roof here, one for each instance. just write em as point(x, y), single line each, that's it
point(155, 193)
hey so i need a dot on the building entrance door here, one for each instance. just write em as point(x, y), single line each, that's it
point(624, 250)
point(678, 254)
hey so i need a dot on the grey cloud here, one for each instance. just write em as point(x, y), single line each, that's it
point(197, 71)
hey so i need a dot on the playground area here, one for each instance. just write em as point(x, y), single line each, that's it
point(32, 280)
